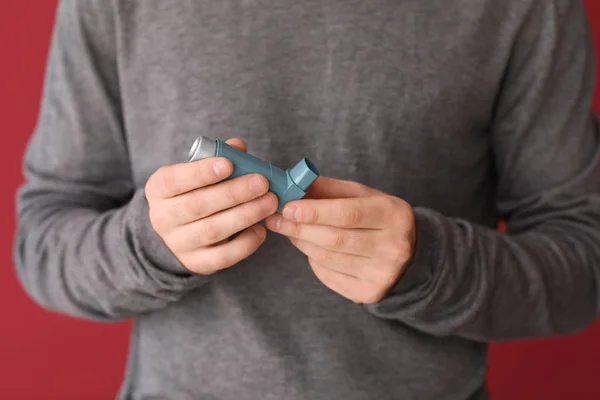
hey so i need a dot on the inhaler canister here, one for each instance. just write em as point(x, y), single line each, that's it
point(288, 185)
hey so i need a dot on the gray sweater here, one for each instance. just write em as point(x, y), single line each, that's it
point(471, 110)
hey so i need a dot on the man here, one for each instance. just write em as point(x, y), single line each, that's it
point(430, 123)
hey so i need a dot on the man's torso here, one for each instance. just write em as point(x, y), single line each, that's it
point(397, 95)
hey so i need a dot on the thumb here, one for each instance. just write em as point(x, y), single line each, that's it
point(329, 188)
point(237, 143)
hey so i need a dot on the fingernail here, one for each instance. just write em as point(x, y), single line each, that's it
point(257, 184)
point(221, 167)
point(289, 212)
point(261, 233)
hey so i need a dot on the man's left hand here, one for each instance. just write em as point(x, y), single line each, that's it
point(358, 240)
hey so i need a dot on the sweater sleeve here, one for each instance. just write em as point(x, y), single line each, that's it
point(84, 244)
point(540, 277)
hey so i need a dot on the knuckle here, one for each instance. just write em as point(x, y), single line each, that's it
point(399, 211)
point(250, 219)
point(397, 250)
point(310, 215)
point(191, 205)
point(178, 214)
point(297, 230)
point(231, 193)
point(267, 205)
point(351, 217)
point(206, 233)
point(336, 240)
point(204, 172)
point(211, 232)
point(253, 214)
point(195, 239)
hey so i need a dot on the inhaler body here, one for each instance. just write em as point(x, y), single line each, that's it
point(288, 185)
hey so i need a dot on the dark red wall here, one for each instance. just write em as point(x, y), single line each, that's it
point(47, 356)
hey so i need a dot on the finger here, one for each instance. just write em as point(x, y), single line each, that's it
point(344, 285)
point(329, 188)
point(343, 263)
point(372, 212)
point(176, 179)
point(359, 242)
point(172, 180)
point(356, 290)
point(212, 259)
point(222, 225)
point(237, 143)
point(204, 202)
point(366, 269)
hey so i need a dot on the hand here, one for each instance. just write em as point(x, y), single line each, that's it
point(195, 213)
point(358, 240)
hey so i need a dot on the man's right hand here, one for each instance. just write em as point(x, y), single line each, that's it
point(195, 213)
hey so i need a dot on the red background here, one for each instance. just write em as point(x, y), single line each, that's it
point(47, 356)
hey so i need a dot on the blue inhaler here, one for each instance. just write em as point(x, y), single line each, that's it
point(288, 185)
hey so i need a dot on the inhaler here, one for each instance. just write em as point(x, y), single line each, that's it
point(287, 185)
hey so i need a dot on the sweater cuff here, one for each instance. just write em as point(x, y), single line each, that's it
point(150, 250)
